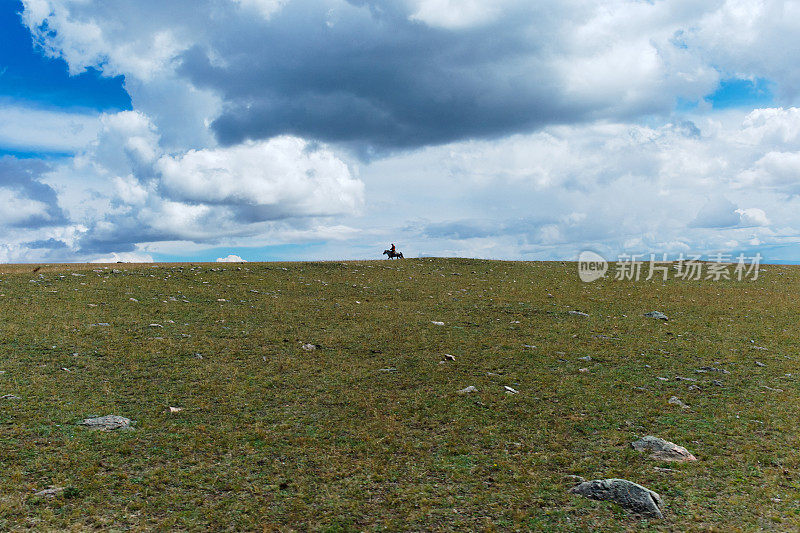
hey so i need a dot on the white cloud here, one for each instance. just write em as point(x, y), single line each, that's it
point(230, 259)
point(753, 216)
point(124, 257)
point(15, 208)
point(270, 179)
point(40, 130)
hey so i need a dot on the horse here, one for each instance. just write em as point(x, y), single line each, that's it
point(391, 255)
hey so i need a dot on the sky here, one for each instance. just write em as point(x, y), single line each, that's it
point(203, 130)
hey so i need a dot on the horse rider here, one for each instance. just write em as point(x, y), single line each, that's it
point(392, 249)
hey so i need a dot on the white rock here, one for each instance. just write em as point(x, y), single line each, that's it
point(676, 401)
point(435, 323)
point(467, 390)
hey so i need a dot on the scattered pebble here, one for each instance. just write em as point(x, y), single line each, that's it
point(175, 409)
point(449, 357)
point(52, 492)
point(627, 494)
point(662, 450)
point(509, 390)
point(585, 358)
point(435, 323)
point(676, 401)
point(578, 313)
point(759, 363)
point(584, 370)
point(656, 314)
point(467, 390)
point(9, 397)
point(108, 423)
point(311, 347)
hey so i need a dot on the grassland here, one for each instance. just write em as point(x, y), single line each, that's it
point(273, 437)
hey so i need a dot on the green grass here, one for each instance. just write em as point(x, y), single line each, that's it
point(273, 437)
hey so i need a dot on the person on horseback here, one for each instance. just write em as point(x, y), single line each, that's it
point(392, 249)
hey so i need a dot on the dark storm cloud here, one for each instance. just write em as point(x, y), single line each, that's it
point(375, 77)
point(22, 177)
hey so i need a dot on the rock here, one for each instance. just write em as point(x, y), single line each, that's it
point(676, 401)
point(435, 323)
point(107, 423)
point(9, 397)
point(175, 409)
point(694, 387)
point(100, 324)
point(656, 314)
point(156, 326)
point(627, 494)
point(449, 357)
point(662, 450)
point(583, 370)
point(585, 358)
point(681, 378)
point(717, 382)
point(52, 492)
point(509, 390)
point(578, 313)
point(387, 370)
point(468, 390)
point(311, 347)
point(759, 363)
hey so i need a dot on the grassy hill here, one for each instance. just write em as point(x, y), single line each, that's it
point(368, 430)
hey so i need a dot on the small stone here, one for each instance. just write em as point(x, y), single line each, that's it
point(449, 357)
point(156, 326)
point(583, 370)
point(107, 423)
point(759, 363)
point(656, 314)
point(509, 390)
point(662, 450)
point(578, 313)
point(52, 492)
point(387, 370)
point(717, 383)
point(435, 323)
point(676, 401)
point(680, 378)
point(467, 390)
point(694, 387)
point(9, 397)
point(585, 358)
point(310, 347)
point(627, 494)
point(175, 409)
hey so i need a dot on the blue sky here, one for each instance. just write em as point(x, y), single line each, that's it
point(197, 129)
point(29, 76)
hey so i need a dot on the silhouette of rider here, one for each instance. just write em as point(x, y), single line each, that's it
point(392, 249)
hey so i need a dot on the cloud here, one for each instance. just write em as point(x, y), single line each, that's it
point(718, 212)
point(279, 178)
point(124, 257)
point(421, 71)
point(28, 129)
point(24, 200)
point(230, 259)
